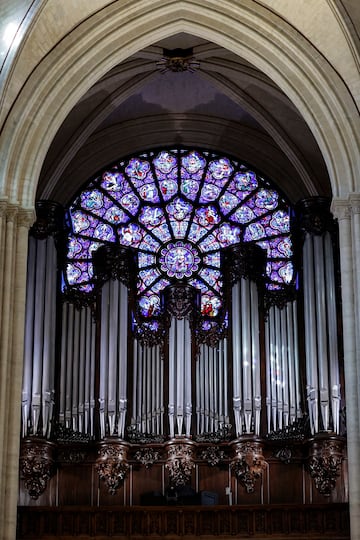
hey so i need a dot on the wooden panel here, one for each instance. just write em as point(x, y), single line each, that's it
point(266, 521)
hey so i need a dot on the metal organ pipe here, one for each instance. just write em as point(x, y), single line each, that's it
point(334, 380)
point(113, 358)
point(180, 406)
point(39, 355)
point(246, 361)
point(321, 333)
point(77, 400)
point(282, 367)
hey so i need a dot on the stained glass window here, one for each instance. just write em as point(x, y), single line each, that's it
point(178, 209)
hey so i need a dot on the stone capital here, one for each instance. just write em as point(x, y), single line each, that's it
point(341, 209)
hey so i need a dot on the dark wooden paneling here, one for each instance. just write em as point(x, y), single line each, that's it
point(304, 521)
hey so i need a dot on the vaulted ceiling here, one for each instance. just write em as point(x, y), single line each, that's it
point(224, 104)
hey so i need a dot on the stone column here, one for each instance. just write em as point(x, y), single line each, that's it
point(15, 222)
point(347, 213)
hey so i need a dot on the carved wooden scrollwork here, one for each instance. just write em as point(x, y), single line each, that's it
point(112, 466)
point(248, 464)
point(180, 462)
point(180, 300)
point(324, 464)
point(147, 457)
point(213, 455)
point(36, 465)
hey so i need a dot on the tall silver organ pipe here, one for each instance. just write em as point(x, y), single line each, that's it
point(113, 358)
point(283, 393)
point(180, 406)
point(321, 346)
point(77, 371)
point(39, 355)
point(246, 357)
point(212, 387)
point(147, 391)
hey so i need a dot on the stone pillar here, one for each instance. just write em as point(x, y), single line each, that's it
point(14, 227)
point(347, 213)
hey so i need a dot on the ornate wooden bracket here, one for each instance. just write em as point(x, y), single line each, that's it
point(324, 463)
point(36, 465)
point(111, 465)
point(248, 463)
point(180, 462)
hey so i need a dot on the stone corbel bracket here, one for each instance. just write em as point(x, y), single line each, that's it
point(111, 465)
point(248, 463)
point(324, 465)
point(179, 463)
point(36, 465)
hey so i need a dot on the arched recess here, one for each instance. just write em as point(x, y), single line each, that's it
point(119, 30)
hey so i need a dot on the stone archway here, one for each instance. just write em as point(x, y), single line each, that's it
point(60, 79)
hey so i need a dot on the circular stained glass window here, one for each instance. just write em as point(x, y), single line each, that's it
point(179, 209)
point(179, 259)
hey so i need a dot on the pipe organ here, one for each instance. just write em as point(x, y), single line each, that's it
point(268, 367)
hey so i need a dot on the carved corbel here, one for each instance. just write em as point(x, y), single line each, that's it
point(180, 462)
point(324, 463)
point(36, 465)
point(112, 466)
point(248, 464)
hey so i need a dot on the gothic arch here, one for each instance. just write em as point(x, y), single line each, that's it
point(120, 30)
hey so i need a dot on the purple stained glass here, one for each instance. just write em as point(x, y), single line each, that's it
point(146, 259)
point(228, 235)
point(210, 243)
point(207, 217)
point(196, 232)
point(243, 215)
point(267, 199)
point(112, 182)
point(149, 243)
point(92, 200)
point(137, 169)
point(147, 277)
point(165, 162)
point(280, 271)
point(130, 235)
point(220, 169)
point(151, 216)
point(212, 277)
point(130, 202)
point(179, 228)
point(79, 272)
point(193, 162)
point(179, 209)
point(277, 247)
point(116, 215)
point(210, 305)
point(212, 259)
point(280, 221)
point(168, 188)
point(149, 305)
point(189, 186)
point(210, 203)
point(209, 193)
point(179, 260)
point(228, 202)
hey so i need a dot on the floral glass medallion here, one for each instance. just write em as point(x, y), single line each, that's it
point(179, 260)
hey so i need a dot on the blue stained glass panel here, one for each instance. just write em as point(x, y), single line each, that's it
point(196, 232)
point(193, 162)
point(130, 235)
point(149, 305)
point(165, 162)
